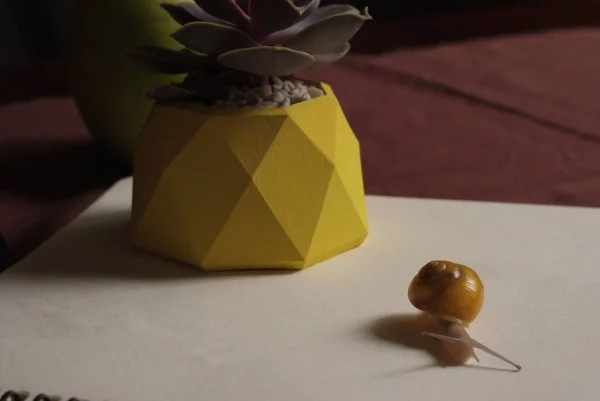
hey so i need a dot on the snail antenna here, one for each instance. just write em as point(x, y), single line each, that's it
point(478, 345)
point(474, 343)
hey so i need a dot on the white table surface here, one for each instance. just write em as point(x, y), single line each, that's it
point(86, 316)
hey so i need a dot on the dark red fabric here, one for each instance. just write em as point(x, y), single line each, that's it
point(506, 119)
point(511, 118)
point(50, 170)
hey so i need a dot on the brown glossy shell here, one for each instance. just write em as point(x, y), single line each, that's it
point(447, 290)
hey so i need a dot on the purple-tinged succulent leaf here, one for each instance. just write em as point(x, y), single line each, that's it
point(171, 92)
point(308, 19)
point(169, 61)
point(266, 60)
point(244, 4)
point(227, 10)
point(329, 33)
point(332, 56)
point(268, 16)
point(212, 39)
point(314, 5)
point(187, 12)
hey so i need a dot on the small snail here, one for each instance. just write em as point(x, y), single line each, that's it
point(453, 294)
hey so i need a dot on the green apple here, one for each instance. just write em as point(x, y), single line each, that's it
point(109, 90)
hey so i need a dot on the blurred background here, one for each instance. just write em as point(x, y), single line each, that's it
point(493, 100)
point(36, 30)
point(33, 30)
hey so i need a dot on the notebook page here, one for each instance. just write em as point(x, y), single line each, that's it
point(86, 316)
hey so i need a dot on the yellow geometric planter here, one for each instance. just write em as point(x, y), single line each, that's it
point(228, 189)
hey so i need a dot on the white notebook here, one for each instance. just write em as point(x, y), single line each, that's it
point(85, 316)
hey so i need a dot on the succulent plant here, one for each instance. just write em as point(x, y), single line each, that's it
point(228, 40)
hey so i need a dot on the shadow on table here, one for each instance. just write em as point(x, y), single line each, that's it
point(384, 34)
point(99, 248)
point(54, 169)
point(32, 80)
point(405, 330)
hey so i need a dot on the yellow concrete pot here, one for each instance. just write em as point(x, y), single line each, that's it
point(226, 189)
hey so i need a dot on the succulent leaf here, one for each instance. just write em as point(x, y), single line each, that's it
point(303, 3)
point(211, 38)
point(266, 60)
point(187, 12)
point(169, 61)
point(333, 55)
point(171, 92)
point(227, 10)
point(312, 6)
point(329, 33)
point(244, 5)
point(309, 19)
point(268, 16)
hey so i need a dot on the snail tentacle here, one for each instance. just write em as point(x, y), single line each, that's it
point(473, 343)
point(482, 347)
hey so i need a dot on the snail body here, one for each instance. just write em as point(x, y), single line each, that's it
point(453, 294)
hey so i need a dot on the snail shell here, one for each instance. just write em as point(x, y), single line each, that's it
point(448, 291)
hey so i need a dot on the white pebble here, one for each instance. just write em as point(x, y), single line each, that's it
point(280, 96)
point(252, 97)
point(315, 92)
point(297, 94)
point(233, 93)
point(267, 104)
point(289, 86)
point(267, 91)
point(300, 91)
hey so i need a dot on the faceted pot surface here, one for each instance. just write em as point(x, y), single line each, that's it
point(248, 188)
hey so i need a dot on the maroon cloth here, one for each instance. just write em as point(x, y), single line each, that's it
point(50, 170)
point(507, 118)
point(511, 119)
